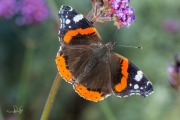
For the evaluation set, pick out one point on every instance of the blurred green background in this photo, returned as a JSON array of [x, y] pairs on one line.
[[27, 65]]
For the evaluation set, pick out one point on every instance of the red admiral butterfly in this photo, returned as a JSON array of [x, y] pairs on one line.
[[90, 66]]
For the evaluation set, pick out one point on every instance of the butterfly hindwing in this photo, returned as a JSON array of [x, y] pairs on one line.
[[128, 79], [95, 85]]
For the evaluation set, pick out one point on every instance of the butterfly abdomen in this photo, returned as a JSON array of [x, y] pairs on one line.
[[91, 64]]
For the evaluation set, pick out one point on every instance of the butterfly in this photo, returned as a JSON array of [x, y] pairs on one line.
[[93, 69]]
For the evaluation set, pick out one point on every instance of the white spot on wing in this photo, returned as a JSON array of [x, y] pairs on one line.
[[70, 8], [60, 48], [77, 18], [119, 96], [61, 8], [130, 84], [149, 83], [69, 26], [125, 96], [132, 93], [61, 23], [139, 76], [136, 86], [149, 93], [107, 95], [67, 21]]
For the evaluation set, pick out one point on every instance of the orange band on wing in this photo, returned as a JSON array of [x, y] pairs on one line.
[[71, 33], [123, 82], [61, 65], [86, 94]]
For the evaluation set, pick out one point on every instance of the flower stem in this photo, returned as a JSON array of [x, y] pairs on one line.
[[173, 114], [107, 111], [103, 19], [25, 73], [90, 15], [51, 97], [1, 115]]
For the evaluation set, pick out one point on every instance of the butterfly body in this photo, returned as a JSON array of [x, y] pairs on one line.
[[91, 66]]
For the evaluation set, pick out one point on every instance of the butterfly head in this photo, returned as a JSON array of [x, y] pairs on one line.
[[110, 45]]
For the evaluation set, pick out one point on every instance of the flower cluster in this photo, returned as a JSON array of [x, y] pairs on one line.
[[171, 26], [122, 13], [174, 71], [8, 8], [32, 11], [118, 10], [28, 11]]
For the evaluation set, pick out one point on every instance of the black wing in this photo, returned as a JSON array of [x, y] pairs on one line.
[[75, 29]]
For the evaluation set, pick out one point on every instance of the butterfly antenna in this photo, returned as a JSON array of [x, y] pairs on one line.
[[124, 45], [130, 46], [115, 35]]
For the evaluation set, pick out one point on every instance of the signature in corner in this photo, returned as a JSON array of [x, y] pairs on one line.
[[16, 110]]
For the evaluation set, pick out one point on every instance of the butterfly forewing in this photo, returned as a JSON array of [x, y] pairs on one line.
[[75, 29]]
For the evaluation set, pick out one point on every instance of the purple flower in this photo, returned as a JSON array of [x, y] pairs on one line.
[[174, 71], [117, 10], [171, 26], [123, 13], [8, 8], [32, 11], [11, 118]]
